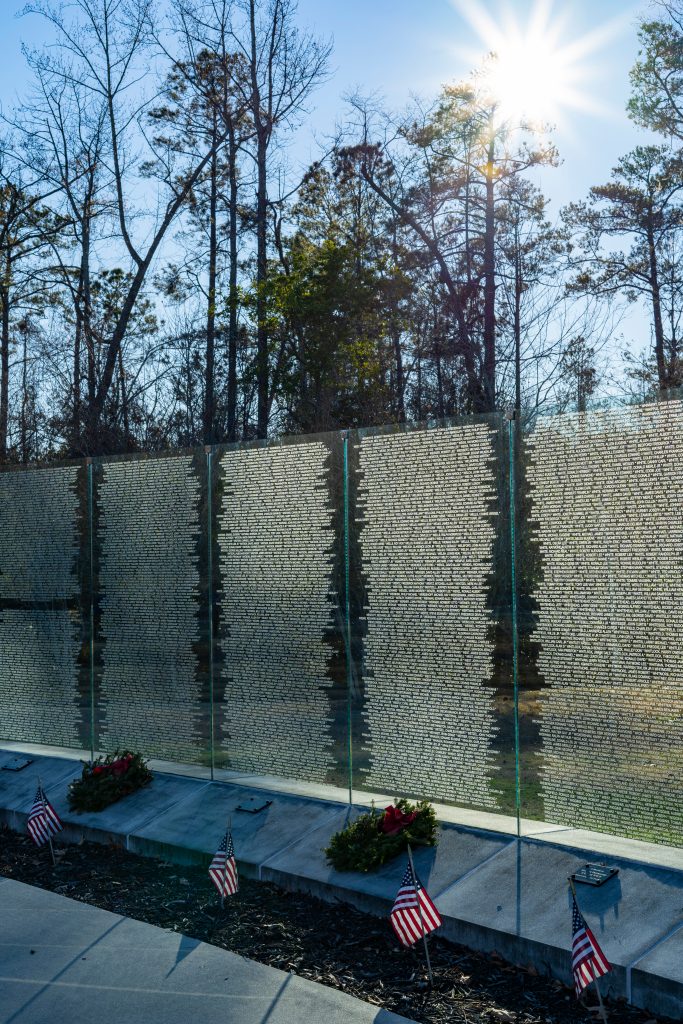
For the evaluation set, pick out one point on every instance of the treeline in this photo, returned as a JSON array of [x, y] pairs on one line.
[[167, 279]]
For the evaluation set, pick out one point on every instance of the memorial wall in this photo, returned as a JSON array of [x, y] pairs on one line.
[[426, 537], [607, 516], [148, 693], [41, 628], [337, 609], [276, 538]]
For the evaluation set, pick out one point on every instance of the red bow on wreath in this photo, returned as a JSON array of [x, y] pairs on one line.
[[394, 820]]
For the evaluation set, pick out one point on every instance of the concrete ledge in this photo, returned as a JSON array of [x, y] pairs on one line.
[[190, 831], [519, 904], [493, 891], [561, 835], [656, 977], [303, 866]]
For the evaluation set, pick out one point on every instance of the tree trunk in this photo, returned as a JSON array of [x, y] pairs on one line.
[[518, 328], [124, 400], [4, 363], [76, 404], [261, 275], [662, 369], [209, 403], [232, 323], [400, 378], [262, 130], [24, 401], [489, 368]]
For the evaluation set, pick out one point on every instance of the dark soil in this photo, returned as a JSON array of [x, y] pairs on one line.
[[333, 944]]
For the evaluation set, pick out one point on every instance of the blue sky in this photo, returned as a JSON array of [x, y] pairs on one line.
[[397, 47]]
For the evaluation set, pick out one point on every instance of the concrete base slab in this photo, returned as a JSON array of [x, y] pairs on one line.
[[303, 865], [190, 832], [519, 904], [108, 826], [657, 978], [18, 789], [65, 961], [564, 835], [135, 811], [609, 846]]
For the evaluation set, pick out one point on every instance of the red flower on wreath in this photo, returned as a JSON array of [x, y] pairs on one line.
[[394, 820], [121, 766]]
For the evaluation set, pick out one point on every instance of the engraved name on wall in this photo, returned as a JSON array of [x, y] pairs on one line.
[[607, 492], [275, 539], [427, 545], [40, 625], [149, 583]]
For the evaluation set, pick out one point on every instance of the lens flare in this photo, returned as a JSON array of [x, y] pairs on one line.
[[536, 71]]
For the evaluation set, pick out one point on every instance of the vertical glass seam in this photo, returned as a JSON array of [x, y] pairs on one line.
[[347, 616], [91, 588], [209, 535], [513, 588]]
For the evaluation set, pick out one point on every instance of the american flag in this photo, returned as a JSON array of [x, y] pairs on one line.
[[43, 821], [588, 960], [413, 913], [223, 870]]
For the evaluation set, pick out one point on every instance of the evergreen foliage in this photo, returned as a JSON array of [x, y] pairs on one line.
[[107, 779], [373, 838]]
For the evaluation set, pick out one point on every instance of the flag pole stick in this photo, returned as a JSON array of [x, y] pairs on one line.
[[47, 823], [603, 1011], [225, 865], [422, 924]]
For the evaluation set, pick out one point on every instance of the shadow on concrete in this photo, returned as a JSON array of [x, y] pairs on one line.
[[185, 947], [79, 956]]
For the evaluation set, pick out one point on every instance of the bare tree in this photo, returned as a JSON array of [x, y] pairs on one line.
[[212, 87], [107, 49], [284, 65]]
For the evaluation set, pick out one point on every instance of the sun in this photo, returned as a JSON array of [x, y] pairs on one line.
[[529, 79], [536, 71]]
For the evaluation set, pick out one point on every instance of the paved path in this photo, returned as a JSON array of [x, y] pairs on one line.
[[64, 962]]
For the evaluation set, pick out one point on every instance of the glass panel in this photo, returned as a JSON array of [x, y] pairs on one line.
[[601, 557], [431, 613], [280, 679], [151, 615], [44, 665]]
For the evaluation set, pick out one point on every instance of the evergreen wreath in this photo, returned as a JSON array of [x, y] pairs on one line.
[[377, 837], [106, 779]]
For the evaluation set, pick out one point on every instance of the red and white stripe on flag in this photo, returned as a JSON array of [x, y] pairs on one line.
[[43, 821], [588, 960], [223, 869], [413, 913]]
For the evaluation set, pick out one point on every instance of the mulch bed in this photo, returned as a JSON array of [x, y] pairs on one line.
[[332, 944]]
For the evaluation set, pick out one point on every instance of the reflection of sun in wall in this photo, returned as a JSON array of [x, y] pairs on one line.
[[536, 71]]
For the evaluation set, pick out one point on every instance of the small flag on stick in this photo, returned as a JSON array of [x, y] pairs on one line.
[[413, 915], [43, 821], [588, 961], [223, 869]]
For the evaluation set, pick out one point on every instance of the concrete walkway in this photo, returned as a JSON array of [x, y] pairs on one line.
[[494, 891], [68, 963]]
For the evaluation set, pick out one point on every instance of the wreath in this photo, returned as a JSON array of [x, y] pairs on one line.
[[107, 779], [377, 837]]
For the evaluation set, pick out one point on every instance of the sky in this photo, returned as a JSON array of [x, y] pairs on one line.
[[399, 47], [396, 48]]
